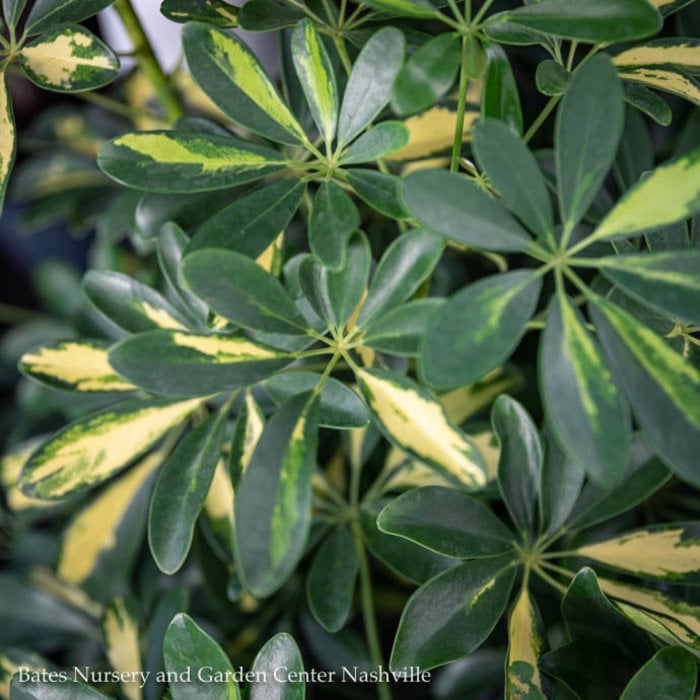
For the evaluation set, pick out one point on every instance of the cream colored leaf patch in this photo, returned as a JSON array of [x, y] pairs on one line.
[[678, 52], [664, 78], [121, 634], [10, 470], [90, 450], [223, 349], [74, 366], [417, 423], [8, 137], [219, 504]]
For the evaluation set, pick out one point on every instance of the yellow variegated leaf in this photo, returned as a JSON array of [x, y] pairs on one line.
[[270, 258], [90, 450], [664, 78], [7, 137], [121, 633], [669, 553], [409, 473], [677, 52], [69, 59], [464, 402], [48, 582], [249, 428], [415, 421], [74, 366], [10, 470], [219, 504], [525, 644]]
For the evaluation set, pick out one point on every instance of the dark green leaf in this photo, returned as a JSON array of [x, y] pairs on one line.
[[500, 98], [454, 206], [280, 652], [649, 102], [636, 152], [214, 12], [452, 614], [588, 130], [499, 28], [427, 75], [267, 15], [381, 191], [447, 522], [179, 493], [236, 287], [61, 690], [47, 14], [12, 10], [552, 78], [405, 8], [478, 328], [376, 142], [331, 580], [671, 673]]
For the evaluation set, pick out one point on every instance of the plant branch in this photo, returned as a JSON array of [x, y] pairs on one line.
[[542, 117], [461, 107]]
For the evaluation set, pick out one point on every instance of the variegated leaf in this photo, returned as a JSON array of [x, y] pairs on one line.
[[217, 12], [525, 645], [219, 505], [405, 8], [7, 137], [90, 450], [684, 52], [249, 427], [120, 627], [666, 78]]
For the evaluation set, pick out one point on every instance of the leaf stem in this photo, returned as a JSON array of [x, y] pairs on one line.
[[482, 11], [461, 107], [548, 579], [542, 117]]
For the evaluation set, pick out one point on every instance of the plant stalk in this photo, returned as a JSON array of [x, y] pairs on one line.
[[461, 107]]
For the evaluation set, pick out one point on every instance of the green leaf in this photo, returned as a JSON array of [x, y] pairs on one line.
[[500, 98], [447, 522], [662, 388], [381, 191], [174, 161], [452, 614], [427, 75], [514, 172], [234, 80], [478, 328], [416, 422], [334, 218], [369, 85], [252, 222], [588, 130], [586, 411], [186, 647], [280, 652], [90, 450], [129, 304], [61, 690], [8, 137], [69, 59], [401, 331], [267, 15], [664, 552], [675, 183], [179, 493], [273, 500], [331, 580], [668, 281], [552, 78], [405, 8], [239, 289], [648, 102], [376, 142], [455, 207], [520, 460], [595, 21], [12, 10], [339, 405], [173, 363], [315, 71], [525, 644], [48, 14], [213, 12], [671, 673], [502, 31]]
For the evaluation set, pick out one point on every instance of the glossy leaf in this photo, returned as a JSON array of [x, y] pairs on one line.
[[267, 15], [173, 363], [415, 421], [381, 191], [234, 80], [216, 12], [48, 14], [447, 522], [594, 21], [180, 492], [69, 59], [427, 74], [648, 102], [525, 645], [584, 407], [74, 366], [12, 11], [588, 130], [500, 99], [405, 8], [478, 328], [377, 142], [667, 78], [455, 207], [315, 71], [671, 673], [331, 580], [280, 652], [7, 137], [237, 288], [369, 86], [174, 161], [661, 386], [187, 646], [90, 450], [452, 614], [62, 690], [273, 500], [514, 172], [552, 79]]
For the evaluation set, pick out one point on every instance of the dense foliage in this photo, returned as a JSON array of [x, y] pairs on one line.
[[368, 372]]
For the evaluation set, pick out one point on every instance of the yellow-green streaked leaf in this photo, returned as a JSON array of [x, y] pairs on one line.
[[316, 76], [525, 644], [666, 78], [246, 434], [671, 192], [219, 505], [405, 8], [69, 59], [235, 81], [74, 366], [683, 52], [45, 580], [172, 161], [7, 137], [415, 421], [121, 632], [216, 12], [93, 531], [90, 450], [669, 553]]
